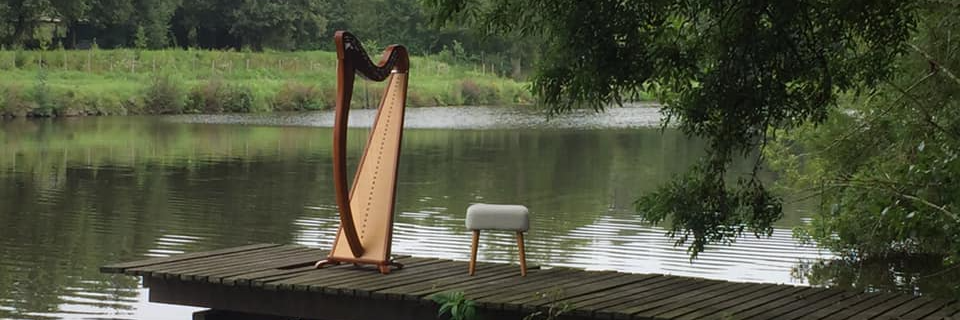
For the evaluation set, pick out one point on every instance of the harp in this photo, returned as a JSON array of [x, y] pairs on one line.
[[366, 210]]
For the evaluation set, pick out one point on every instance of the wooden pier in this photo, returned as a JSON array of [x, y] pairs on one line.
[[280, 281]]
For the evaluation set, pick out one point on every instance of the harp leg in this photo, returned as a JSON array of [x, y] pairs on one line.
[[386, 268], [523, 256], [473, 251]]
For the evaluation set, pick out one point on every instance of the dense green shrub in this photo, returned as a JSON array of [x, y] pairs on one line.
[[164, 96], [42, 96], [484, 93], [14, 102], [415, 99], [70, 104], [215, 97], [296, 96], [21, 59], [471, 92], [452, 96], [236, 98], [204, 98], [491, 94]]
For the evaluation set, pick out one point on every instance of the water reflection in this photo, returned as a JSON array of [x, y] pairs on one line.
[[926, 275], [78, 193]]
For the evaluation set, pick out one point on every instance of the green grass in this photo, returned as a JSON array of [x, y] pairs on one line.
[[110, 82]]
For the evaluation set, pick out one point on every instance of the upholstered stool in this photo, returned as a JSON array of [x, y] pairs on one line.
[[497, 217]]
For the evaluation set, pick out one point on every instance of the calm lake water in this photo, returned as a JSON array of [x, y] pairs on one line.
[[76, 194]]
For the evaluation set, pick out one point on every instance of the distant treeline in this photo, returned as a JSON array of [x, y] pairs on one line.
[[245, 25]]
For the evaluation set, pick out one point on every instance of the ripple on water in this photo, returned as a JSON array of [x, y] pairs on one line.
[[629, 116]]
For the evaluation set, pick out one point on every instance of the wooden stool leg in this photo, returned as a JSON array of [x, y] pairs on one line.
[[523, 256], [473, 251]]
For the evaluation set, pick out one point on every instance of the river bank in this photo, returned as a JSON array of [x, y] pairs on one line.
[[127, 82]]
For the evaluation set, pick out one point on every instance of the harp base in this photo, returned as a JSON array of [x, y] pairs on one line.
[[383, 266]]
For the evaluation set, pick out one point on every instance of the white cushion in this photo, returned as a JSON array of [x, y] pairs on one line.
[[483, 216]]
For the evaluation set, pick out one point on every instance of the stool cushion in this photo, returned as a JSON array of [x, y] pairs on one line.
[[483, 216]]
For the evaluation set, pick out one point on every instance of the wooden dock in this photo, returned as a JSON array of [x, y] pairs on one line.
[[280, 281]]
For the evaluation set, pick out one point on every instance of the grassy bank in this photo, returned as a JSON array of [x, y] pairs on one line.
[[119, 82]]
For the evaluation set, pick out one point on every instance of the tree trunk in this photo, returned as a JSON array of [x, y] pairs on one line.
[[18, 30], [72, 31]]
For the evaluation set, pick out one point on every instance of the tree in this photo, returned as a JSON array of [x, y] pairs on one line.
[[105, 13], [154, 17], [22, 19], [200, 22], [286, 24], [885, 166], [110, 18], [71, 12], [727, 71], [6, 28]]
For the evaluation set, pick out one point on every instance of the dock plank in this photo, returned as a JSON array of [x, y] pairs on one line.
[[621, 279], [692, 301], [318, 279], [438, 271], [927, 311], [760, 304], [949, 310], [241, 278], [864, 305], [587, 306], [871, 313], [615, 306], [510, 299], [218, 275], [251, 263], [148, 270], [626, 310], [789, 303], [905, 308], [717, 304], [417, 291], [121, 267], [342, 286], [364, 287]]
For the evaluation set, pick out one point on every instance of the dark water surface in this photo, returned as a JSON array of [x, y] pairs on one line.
[[79, 193]]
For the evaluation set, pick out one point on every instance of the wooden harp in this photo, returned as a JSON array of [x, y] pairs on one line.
[[366, 210]]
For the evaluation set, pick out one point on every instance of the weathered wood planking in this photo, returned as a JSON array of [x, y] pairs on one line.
[[279, 280]]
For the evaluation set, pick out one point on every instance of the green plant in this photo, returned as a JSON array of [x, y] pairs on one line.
[[216, 96], [203, 98], [140, 39], [164, 95], [13, 102], [456, 305], [471, 92], [296, 96], [69, 104], [42, 95], [236, 98], [20, 58]]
